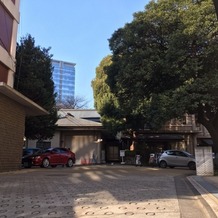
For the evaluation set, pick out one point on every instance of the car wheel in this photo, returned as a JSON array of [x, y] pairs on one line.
[[70, 163], [163, 164], [192, 166], [45, 163]]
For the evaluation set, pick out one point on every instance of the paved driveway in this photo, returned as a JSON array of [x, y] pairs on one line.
[[90, 191]]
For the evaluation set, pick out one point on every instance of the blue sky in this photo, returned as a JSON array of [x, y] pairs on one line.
[[77, 31]]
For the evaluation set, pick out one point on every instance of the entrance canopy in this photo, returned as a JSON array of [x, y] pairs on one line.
[[30, 107]]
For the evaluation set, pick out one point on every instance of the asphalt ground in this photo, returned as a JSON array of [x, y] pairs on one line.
[[103, 191]]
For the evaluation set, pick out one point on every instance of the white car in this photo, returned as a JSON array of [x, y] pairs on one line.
[[176, 158]]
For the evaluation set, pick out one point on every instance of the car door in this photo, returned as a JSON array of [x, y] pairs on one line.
[[182, 158], [171, 158], [64, 155], [54, 156]]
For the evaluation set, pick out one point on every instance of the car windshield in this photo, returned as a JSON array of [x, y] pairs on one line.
[[42, 151], [39, 152], [48, 150], [29, 151]]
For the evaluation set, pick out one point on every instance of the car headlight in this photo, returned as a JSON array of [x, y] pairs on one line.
[[36, 157]]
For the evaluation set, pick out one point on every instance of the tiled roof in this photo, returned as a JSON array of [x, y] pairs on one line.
[[89, 113], [78, 118]]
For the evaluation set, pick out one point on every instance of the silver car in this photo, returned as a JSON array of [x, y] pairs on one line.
[[176, 158]]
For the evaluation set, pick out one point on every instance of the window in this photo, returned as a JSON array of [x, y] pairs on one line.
[[181, 154], [63, 150], [3, 73], [6, 23], [56, 150], [171, 152]]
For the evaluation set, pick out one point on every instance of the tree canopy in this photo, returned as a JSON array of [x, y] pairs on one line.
[[164, 64], [105, 101], [33, 78]]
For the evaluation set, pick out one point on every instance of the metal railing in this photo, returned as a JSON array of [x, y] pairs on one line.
[[180, 128]]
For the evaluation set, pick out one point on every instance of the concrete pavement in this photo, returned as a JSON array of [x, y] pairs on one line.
[[95, 192]]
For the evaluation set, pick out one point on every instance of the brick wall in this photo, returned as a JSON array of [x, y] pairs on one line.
[[12, 125]]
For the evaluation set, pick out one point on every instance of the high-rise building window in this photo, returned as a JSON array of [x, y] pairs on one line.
[[6, 24], [64, 80]]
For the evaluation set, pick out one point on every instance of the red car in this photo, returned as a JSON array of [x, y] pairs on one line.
[[50, 157]]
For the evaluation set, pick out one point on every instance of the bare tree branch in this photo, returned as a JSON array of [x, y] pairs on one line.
[[77, 102]]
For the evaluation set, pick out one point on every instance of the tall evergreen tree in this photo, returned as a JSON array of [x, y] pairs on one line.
[[33, 78]]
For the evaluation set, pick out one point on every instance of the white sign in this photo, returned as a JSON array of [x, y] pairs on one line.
[[122, 153]]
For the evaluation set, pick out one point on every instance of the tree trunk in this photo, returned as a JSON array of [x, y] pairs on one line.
[[213, 130], [214, 137], [210, 121], [215, 2]]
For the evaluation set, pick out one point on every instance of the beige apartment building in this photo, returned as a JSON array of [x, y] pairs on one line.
[[14, 106]]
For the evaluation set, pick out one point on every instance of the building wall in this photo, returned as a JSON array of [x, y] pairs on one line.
[[188, 127], [54, 142], [9, 19], [12, 115], [12, 127], [84, 146]]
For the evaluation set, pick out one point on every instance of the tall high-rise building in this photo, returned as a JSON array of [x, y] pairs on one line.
[[64, 80]]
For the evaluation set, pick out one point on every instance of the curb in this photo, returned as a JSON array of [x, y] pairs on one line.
[[208, 197]]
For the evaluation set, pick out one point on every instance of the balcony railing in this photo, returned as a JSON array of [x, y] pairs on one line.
[[180, 128]]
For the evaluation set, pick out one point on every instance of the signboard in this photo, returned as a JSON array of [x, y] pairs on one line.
[[122, 153]]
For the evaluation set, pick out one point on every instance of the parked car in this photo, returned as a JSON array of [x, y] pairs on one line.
[[176, 158], [50, 157], [28, 151]]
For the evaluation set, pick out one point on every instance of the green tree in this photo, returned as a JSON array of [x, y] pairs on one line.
[[33, 78], [164, 64], [105, 102]]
